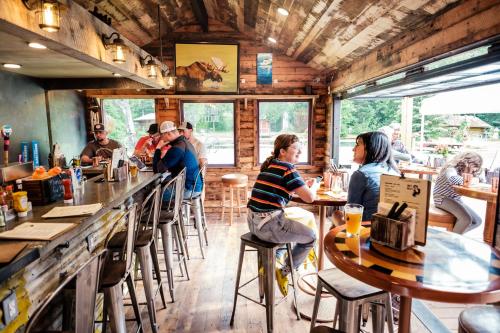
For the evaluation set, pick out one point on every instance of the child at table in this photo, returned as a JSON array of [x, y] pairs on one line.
[[447, 199], [277, 181]]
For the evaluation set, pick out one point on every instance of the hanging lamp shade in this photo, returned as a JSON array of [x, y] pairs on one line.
[[49, 15]]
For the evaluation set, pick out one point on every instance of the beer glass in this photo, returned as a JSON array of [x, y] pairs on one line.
[[353, 214]]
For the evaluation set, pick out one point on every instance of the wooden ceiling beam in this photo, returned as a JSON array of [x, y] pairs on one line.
[[92, 83], [79, 37], [465, 24], [200, 12]]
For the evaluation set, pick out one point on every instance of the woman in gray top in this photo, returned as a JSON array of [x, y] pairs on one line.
[[373, 152], [447, 199]]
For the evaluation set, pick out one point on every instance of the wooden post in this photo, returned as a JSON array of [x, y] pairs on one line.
[[406, 121]]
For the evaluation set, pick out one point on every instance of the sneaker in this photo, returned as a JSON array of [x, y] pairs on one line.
[[313, 258], [261, 270], [282, 282]]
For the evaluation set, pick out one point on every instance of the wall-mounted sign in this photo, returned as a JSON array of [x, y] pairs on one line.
[[264, 68]]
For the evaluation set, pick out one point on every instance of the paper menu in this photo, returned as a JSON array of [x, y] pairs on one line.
[[415, 192], [69, 211], [37, 231]]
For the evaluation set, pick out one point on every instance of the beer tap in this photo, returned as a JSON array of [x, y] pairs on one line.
[[6, 133]]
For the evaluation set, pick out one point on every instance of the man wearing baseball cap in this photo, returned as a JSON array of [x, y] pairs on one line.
[[101, 147], [147, 144], [186, 129], [181, 154]]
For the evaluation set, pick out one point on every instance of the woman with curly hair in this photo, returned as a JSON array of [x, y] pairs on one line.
[[447, 199]]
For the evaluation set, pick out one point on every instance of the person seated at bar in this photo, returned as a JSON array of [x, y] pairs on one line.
[[277, 181], [181, 154], [373, 152], [147, 144], [186, 129], [447, 199], [399, 152], [102, 147]]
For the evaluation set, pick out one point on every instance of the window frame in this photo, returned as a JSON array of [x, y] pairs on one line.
[[310, 126], [235, 147]]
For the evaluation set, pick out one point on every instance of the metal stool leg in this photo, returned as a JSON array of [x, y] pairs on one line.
[[294, 279], [389, 313], [317, 299], [135, 303], [204, 221], [166, 237], [114, 297], [260, 267], [378, 317], [269, 264], [147, 275], [156, 266], [183, 232], [181, 248], [199, 225], [223, 203], [231, 191], [237, 284]]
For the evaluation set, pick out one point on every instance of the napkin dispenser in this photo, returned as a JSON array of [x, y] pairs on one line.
[[397, 233]]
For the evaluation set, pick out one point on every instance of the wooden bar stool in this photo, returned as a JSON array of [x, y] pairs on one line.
[[234, 181], [441, 218], [266, 254]]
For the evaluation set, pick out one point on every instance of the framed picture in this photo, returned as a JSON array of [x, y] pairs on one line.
[[264, 68], [205, 68]]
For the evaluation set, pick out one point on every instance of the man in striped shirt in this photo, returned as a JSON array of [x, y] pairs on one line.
[[273, 189]]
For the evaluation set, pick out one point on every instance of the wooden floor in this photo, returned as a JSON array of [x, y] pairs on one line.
[[204, 303]]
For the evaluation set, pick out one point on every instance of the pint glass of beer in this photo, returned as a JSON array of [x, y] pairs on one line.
[[353, 216]]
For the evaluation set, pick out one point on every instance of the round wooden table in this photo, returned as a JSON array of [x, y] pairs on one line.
[[419, 170], [306, 299], [449, 268]]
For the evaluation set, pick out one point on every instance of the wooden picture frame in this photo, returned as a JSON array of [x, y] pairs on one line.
[[207, 68]]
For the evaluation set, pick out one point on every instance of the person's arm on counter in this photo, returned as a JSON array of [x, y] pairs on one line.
[[86, 155]]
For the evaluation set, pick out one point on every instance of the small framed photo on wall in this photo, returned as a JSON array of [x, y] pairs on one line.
[[264, 68]]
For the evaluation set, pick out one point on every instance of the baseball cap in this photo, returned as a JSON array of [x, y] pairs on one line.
[[185, 125], [153, 129], [99, 127], [167, 126]]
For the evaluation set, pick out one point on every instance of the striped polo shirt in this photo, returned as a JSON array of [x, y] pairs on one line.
[[274, 186], [443, 187]]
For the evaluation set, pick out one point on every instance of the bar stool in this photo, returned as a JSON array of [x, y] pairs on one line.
[[266, 255], [351, 295], [145, 249], [195, 203], [479, 319], [169, 218], [234, 181], [87, 280], [115, 272], [441, 218]]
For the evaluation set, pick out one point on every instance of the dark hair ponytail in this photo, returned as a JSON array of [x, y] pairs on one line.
[[282, 141]]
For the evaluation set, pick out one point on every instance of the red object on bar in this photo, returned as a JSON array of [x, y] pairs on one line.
[[68, 193]]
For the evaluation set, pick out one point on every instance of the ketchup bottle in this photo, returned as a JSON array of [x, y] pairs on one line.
[[68, 193]]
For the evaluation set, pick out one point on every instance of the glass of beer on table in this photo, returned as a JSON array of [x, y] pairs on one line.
[[353, 214]]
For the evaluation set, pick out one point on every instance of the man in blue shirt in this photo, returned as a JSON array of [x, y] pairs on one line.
[[181, 154]]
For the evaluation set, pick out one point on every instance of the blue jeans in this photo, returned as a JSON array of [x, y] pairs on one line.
[[168, 195], [467, 218], [279, 229]]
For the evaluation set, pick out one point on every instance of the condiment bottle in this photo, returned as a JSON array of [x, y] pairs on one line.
[[8, 196], [2, 197], [68, 193], [21, 203]]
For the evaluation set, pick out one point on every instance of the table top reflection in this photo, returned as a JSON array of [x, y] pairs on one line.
[[449, 268]]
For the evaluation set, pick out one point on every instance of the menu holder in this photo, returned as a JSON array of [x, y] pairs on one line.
[[37, 231], [415, 193], [72, 211]]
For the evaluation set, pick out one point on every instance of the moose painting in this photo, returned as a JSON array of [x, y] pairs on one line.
[[206, 68]]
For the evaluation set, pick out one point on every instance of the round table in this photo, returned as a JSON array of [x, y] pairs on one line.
[[449, 268], [306, 299]]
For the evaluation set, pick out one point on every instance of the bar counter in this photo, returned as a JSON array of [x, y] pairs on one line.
[[37, 270]]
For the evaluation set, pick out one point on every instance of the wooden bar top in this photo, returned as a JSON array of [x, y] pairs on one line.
[[110, 194]]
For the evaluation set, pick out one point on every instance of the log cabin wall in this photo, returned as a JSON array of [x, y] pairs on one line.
[[293, 77]]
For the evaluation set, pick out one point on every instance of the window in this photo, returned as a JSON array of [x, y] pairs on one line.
[[126, 120], [214, 126], [278, 117]]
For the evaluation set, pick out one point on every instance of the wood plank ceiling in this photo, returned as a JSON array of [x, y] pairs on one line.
[[324, 34]]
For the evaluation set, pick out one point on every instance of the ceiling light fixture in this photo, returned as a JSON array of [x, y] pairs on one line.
[[12, 66], [272, 40], [151, 66], [117, 46], [117, 74], [283, 11], [37, 46]]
